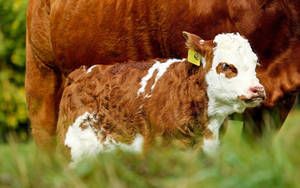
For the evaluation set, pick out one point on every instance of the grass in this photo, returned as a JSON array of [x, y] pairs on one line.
[[238, 165]]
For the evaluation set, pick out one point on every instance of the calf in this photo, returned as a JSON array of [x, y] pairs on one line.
[[132, 104]]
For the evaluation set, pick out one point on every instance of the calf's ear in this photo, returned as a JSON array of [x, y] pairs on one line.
[[191, 40], [196, 43]]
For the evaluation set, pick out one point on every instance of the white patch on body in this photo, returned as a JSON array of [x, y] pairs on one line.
[[223, 92], [87, 142], [161, 68], [91, 68], [109, 144], [201, 41], [82, 142]]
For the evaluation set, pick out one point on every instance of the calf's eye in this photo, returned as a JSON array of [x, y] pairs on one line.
[[225, 66], [229, 70]]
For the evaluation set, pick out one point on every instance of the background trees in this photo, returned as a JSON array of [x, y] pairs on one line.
[[13, 112]]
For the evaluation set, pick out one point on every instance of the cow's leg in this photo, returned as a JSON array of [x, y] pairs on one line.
[[263, 122], [42, 86], [42, 81]]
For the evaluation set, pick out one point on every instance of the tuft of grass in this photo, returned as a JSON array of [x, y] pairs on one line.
[[237, 165]]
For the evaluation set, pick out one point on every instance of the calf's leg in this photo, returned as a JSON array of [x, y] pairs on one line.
[[211, 135]]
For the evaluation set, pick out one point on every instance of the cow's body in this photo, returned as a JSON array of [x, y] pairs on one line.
[[132, 104], [63, 35]]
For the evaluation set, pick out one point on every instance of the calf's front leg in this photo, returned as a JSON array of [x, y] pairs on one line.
[[211, 136]]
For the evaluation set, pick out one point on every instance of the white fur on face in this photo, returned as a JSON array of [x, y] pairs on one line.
[[161, 68], [223, 92], [87, 142]]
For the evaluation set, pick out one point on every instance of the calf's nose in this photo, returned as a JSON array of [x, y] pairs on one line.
[[257, 91]]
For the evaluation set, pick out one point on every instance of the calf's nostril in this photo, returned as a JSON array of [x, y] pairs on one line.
[[254, 90], [257, 91]]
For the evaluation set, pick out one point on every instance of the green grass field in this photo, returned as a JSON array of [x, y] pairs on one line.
[[238, 165]]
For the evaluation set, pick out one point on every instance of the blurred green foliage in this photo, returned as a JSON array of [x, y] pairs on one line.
[[13, 113], [237, 165]]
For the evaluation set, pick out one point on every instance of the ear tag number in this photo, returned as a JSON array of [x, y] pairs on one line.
[[194, 57]]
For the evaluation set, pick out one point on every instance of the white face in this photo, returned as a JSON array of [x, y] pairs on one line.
[[232, 79]]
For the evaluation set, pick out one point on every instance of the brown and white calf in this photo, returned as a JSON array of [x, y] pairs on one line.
[[130, 105]]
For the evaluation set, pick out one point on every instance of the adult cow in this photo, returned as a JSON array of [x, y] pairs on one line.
[[62, 35]]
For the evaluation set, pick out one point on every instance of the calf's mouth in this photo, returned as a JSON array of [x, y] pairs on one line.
[[255, 100]]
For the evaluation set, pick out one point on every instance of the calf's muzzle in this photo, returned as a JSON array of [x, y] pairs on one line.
[[257, 92]]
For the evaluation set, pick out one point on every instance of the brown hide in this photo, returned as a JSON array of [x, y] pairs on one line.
[[64, 34], [93, 32], [177, 109], [102, 32]]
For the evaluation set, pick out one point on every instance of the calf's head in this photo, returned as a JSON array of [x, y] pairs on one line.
[[230, 71]]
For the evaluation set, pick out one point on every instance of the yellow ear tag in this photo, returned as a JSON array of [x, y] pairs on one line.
[[194, 57]]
